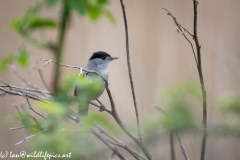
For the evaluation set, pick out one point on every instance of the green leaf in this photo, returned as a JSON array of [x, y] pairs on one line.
[[52, 3], [230, 103], [17, 25], [23, 58], [38, 22], [110, 16], [78, 6], [94, 13], [5, 62], [54, 108], [178, 117], [102, 1]]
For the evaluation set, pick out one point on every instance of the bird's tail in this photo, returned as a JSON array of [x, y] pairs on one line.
[[83, 107]]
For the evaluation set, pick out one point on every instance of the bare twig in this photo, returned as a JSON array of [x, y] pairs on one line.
[[26, 138], [106, 142], [25, 89], [126, 148], [17, 128], [23, 94], [182, 146], [48, 61], [120, 144], [42, 78], [129, 68], [182, 30], [32, 109]]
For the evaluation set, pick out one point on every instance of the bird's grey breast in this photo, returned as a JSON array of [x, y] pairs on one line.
[[93, 93]]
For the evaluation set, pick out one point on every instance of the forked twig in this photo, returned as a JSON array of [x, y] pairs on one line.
[[182, 30]]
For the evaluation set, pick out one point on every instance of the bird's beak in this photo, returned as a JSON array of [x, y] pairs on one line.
[[113, 58]]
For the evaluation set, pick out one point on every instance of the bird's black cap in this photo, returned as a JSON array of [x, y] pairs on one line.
[[99, 54]]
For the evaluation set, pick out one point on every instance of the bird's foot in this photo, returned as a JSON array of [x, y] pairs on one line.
[[102, 108]]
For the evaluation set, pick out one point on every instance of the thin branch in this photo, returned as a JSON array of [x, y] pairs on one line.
[[15, 106], [182, 146], [129, 68], [204, 93], [25, 89], [180, 27], [105, 109], [23, 94], [42, 78], [48, 61], [171, 138], [26, 138], [126, 148], [32, 109], [120, 144], [17, 128], [182, 30], [106, 142]]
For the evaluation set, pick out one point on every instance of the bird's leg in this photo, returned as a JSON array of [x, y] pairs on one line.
[[102, 107]]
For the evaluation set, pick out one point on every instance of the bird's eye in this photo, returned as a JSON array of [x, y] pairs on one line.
[[103, 58]]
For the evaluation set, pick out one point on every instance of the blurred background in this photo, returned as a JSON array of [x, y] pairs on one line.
[[160, 57]]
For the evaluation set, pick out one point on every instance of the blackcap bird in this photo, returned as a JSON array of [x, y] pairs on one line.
[[92, 86]]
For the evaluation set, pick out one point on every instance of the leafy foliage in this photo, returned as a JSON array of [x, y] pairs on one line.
[[21, 56], [178, 116], [52, 3], [230, 104], [93, 8]]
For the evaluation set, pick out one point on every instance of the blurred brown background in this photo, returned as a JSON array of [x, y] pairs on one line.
[[159, 56]]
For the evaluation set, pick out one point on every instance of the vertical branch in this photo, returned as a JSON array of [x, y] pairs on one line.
[[204, 94], [59, 49], [172, 145], [129, 67]]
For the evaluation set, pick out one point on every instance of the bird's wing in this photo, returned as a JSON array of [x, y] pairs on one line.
[[77, 89]]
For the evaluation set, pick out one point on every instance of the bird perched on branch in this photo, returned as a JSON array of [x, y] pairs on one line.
[[92, 85]]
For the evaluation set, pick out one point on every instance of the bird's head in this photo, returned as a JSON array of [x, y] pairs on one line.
[[101, 59]]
